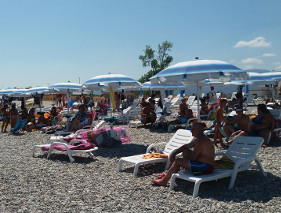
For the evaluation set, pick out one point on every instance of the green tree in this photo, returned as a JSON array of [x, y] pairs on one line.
[[156, 63]]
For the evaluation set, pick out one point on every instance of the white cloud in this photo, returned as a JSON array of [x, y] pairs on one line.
[[257, 42], [247, 67], [252, 61], [268, 55]]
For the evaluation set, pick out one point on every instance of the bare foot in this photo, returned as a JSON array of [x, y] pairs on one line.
[[158, 182]]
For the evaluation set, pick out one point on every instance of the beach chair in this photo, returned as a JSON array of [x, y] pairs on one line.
[[180, 138], [242, 152], [70, 148], [191, 100]]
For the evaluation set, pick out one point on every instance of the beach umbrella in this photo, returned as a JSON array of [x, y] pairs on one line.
[[275, 76], [36, 90], [66, 88], [254, 79], [196, 72], [109, 82]]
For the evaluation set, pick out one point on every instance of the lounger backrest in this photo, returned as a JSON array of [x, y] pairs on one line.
[[190, 100], [244, 147], [276, 113], [181, 137]]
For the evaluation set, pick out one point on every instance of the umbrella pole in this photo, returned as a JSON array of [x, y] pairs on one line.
[[198, 102]]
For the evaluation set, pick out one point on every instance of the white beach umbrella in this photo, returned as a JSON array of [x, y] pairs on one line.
[[66, 88], [36, 90], [116, 81], [196, 72]]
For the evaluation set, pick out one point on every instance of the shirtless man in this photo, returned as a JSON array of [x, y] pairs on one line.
[[243, 127], [200, 159], [219, 119]]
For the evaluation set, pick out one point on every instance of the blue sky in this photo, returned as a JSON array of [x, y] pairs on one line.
[[43, 42]]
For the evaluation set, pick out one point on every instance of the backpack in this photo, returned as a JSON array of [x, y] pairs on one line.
[[109, 138]]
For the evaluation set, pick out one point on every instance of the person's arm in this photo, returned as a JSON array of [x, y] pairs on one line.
[[197, 150], [182, 148]]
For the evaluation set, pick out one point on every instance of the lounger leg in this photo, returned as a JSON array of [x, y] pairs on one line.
[[136, 170], [172, 181], [33, 152], [91, 154], [50, 151], [70, 155], [120, 165], [260, 166], [196, 188], [232, 181]]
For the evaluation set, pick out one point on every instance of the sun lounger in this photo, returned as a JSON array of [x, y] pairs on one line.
[[242, 152], [70, 148], [179, 138]]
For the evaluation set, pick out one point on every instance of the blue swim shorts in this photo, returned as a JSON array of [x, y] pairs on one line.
[[198, 166], [182, 120]]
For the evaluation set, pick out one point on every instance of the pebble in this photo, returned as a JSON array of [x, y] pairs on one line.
[[38, 184]]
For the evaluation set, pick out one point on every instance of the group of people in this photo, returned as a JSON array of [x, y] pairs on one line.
[[11, 115], [200, 153], [242, 125], [147, 113]]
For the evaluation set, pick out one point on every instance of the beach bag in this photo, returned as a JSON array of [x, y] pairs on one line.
[[108, 139]]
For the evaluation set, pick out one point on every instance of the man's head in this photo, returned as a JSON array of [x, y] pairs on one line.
[[197, 129]]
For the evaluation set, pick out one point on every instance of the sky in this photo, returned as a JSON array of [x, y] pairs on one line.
[[43, 42]]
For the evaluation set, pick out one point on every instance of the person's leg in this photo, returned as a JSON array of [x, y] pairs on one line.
[[216, 136], [264, 133], [178, 163], [228, 129], [235, 134]]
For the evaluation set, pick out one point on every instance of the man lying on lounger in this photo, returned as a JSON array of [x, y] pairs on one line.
[[200, 159]]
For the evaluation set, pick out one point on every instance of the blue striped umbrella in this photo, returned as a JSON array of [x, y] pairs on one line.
[[36, 90], [276, 76], [196, 72], [254, 79], [13, 92], [117, 81], [66, 88]]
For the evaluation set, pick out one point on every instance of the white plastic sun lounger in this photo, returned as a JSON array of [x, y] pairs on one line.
[[242, 151], [68, 151], [180, 138]]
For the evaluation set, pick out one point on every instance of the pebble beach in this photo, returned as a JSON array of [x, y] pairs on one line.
[[38, 184]]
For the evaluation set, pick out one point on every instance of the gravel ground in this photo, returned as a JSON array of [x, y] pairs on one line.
[[29, 184]]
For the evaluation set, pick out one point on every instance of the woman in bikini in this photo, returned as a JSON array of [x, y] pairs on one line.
[[14, 115], [6, 118], [31, 121], [263, 124]]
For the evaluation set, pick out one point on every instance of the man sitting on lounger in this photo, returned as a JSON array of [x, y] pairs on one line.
[[200, 159]]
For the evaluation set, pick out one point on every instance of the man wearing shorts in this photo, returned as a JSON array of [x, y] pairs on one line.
[[200, 159]]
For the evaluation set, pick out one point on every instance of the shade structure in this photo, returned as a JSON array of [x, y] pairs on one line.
[[275, 76], [7, 92], [36, 90], [149, 86], [66, 88], [196, 72], [115, 81], [254, 79]]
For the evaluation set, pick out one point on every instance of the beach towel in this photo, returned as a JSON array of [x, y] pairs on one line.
[[155, 155], [80, 146], [224, 163], [90, 135]]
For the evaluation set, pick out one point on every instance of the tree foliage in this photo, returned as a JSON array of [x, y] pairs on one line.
[[156, 62]]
